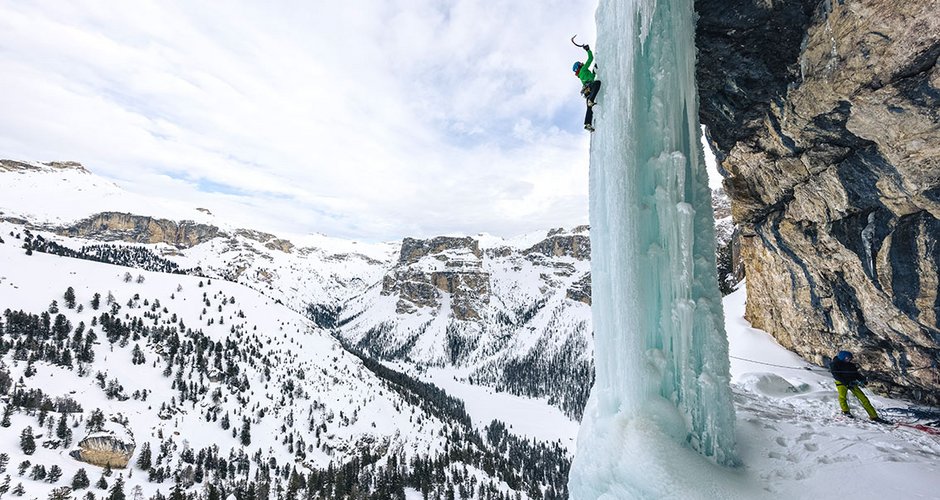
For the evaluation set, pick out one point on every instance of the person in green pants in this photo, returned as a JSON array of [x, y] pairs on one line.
[[848, 378]]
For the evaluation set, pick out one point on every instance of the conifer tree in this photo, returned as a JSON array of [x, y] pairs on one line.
[[137, 355], [246, 432], [60, 493], [27, 442], [144, 459], [69, 298], [62, 430], [55, 472], [38, 473], [80, 480], [117, 490]]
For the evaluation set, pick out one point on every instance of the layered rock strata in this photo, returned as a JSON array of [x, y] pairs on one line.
[[428, 268], [826, 119], [117, 226]]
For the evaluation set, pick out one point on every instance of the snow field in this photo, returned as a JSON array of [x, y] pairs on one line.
[[332, 376]]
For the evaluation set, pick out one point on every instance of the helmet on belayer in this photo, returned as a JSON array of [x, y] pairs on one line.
[[844, 356]]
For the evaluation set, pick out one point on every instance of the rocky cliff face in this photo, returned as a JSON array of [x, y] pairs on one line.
[[428, 268], [116, 226], [825, 117], [110, 447]]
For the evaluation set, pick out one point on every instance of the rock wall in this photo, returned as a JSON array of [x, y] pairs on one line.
[[105, 450], [826, 118], [117, 226], [428, 268]]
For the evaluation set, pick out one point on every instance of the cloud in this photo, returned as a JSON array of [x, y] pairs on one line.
[[373, 119]]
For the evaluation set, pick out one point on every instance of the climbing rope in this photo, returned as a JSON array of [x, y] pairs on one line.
[[781, 366], [821, 370]]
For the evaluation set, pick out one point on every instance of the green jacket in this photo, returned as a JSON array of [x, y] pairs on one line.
[[585, 74]]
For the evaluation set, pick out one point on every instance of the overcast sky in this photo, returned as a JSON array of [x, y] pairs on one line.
[[369, 119]]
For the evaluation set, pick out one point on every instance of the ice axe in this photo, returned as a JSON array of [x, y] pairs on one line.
[[576, 44]]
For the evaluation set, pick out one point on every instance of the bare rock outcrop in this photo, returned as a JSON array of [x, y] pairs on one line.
[[112, 446], [117, 226], [826, 118], [581, 290], [270, 241], [14, 166], [427, 269], [560, 244]]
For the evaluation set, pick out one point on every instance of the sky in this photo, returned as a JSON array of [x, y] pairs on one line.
[[371, 119]]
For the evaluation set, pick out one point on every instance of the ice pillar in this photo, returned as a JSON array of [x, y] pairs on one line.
[[661, 352]]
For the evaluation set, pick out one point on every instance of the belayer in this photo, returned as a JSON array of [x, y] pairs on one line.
[[589, 85], [848, 378]]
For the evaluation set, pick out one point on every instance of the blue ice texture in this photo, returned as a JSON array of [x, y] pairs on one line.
[[660, 420]]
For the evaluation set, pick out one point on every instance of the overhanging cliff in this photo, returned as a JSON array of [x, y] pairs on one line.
[[826, 118]]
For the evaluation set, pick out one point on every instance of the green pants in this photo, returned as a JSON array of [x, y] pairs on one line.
[[843, 392]]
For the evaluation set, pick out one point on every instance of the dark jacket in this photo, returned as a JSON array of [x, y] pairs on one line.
[[846, 372]]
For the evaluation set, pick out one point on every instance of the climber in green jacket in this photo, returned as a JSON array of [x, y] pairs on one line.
[[590, 86]]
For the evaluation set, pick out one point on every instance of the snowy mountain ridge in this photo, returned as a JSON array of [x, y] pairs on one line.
[[517, 310]]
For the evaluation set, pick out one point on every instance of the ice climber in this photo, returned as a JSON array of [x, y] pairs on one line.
[[848, 379], [590, 85]]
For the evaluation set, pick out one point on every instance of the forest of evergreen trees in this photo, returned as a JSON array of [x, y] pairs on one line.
[[473, 464], [128, 256]]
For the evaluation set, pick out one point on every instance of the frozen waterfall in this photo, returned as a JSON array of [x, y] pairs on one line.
[[661, 398]]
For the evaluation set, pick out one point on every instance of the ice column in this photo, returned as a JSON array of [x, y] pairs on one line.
[[662, 370]]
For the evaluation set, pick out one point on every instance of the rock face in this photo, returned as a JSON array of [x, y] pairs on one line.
[[426, 268], [116, 226], [270, 241], [826, 119], [13, 166], [106, 449], [557, 244]]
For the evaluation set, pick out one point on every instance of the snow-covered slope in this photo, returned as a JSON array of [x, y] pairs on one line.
[[509, 314], [63, 192], [512, 316], [287, 371], [793, 441], [77, 208], [175, 356]]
